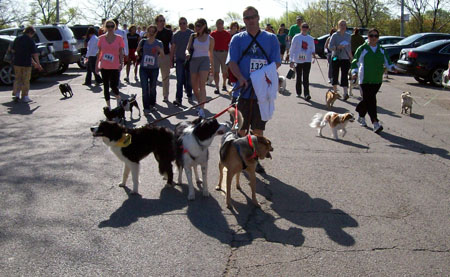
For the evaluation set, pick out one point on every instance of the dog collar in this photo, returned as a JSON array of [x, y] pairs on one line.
[[124, 141], [250, 142]]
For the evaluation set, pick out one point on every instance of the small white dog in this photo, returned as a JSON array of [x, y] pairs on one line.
[[335, 120], [407, 102], [281, 84]]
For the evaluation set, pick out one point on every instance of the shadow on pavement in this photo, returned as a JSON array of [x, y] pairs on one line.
[[323, 106], [411, 145], [346, 142], [19, 108], [136, 207], [299, 208]]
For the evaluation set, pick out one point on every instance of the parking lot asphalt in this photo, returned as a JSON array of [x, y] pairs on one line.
[[364, 205]]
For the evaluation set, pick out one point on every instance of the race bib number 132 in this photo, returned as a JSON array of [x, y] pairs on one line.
[[256, 64]]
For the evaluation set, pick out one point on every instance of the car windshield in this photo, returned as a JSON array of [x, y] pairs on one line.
[[409, 40], [431, 45]]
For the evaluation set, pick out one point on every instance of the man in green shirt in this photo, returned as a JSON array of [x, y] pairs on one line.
[[295, 29]]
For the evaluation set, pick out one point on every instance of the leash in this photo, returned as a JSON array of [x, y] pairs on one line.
[[190, 108], [321, 72]]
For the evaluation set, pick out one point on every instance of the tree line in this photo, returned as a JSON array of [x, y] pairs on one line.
[[424, 15]]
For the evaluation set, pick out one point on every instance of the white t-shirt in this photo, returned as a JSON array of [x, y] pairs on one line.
[[302, 48], [92, 47], [123, 34]]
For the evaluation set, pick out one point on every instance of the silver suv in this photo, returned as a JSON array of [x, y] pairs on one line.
[[60, 36]]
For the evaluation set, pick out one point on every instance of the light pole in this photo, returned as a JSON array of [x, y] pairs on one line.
[[57, 11], [327, 15], [132, 11], [402, 19]]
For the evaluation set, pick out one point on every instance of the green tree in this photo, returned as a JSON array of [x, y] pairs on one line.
[[44, 12]]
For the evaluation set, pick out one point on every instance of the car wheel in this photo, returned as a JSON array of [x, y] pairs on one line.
[[7, 75], [421, 80], [81, 62], [436, 76], [62, 68]]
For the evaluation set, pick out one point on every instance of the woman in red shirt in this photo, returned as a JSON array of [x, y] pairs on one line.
[[110, 60]]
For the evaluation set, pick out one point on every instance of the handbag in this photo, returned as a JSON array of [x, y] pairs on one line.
[[290, 74], [187, 62]]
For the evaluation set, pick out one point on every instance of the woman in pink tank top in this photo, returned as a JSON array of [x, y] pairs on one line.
[[110, 61]]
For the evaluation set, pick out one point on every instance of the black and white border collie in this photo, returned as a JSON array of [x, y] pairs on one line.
[[133, 145], [192, 141]]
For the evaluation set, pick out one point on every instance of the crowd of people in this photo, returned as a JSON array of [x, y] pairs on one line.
[[231, 53]]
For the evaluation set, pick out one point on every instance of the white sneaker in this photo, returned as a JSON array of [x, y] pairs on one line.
[[26, 99], [377, 128], [362, 121]]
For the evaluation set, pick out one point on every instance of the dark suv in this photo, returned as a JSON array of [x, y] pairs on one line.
[[46, 59], [413, 41], [79, 32]]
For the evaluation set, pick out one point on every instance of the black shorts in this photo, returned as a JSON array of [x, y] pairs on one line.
[[282, 49], [255, 122]]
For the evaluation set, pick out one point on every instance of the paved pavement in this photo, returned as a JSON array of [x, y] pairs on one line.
[[366, 205]]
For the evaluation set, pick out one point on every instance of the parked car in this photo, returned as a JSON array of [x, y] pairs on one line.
[[79, 32], [320, 41], [426, 63], [60, 36], [46, 58], [413, 41]]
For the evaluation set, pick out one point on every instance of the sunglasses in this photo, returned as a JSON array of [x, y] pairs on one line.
[[249, 17], [110, 26], [198, 25], [305, 27], [374, 36]]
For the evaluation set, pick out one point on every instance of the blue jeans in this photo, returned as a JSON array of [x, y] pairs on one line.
[[148, 83], [183, 79]]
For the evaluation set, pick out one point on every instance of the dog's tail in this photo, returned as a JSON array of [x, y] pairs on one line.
[[237, 126], [316, 120]]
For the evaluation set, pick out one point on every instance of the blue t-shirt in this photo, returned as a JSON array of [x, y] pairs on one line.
[[150, 54], [24, 48], [254, 59]]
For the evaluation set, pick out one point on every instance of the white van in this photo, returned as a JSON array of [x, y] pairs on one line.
[[60, 36]]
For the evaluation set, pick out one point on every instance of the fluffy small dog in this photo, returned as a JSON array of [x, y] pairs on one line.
[[133, 145], [331, 97], [129, 103], [65, 90], [336, 121], [193, 140], [407, 102], [117, 114], [242, 153], [281, 84]]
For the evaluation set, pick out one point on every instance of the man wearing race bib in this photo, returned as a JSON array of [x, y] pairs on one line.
[[301, 53], [110, 60], [242, 63], [149, 70]]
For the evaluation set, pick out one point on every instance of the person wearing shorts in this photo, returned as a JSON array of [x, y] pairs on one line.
[[222, 39], [110, 59], [201, 62], [242, 65], [25, 54]]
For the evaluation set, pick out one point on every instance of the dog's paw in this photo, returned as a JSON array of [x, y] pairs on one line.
[[218, 188], [122, 185], [191, 197]]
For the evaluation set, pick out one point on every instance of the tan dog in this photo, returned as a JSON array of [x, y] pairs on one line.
[[237, 154], [407, 102], [336, 121], [331, 97]]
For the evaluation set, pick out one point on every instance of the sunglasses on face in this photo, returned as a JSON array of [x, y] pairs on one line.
[[109, 26], [198, 25], [305, 27], [373, 35], [249, 17]]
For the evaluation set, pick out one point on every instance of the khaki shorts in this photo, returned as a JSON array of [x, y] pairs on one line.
[[220, 58], [22, 79]]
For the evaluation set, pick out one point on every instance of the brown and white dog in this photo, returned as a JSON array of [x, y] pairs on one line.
[[242, 153], [331, 97], [407, 102], [336, 121]]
